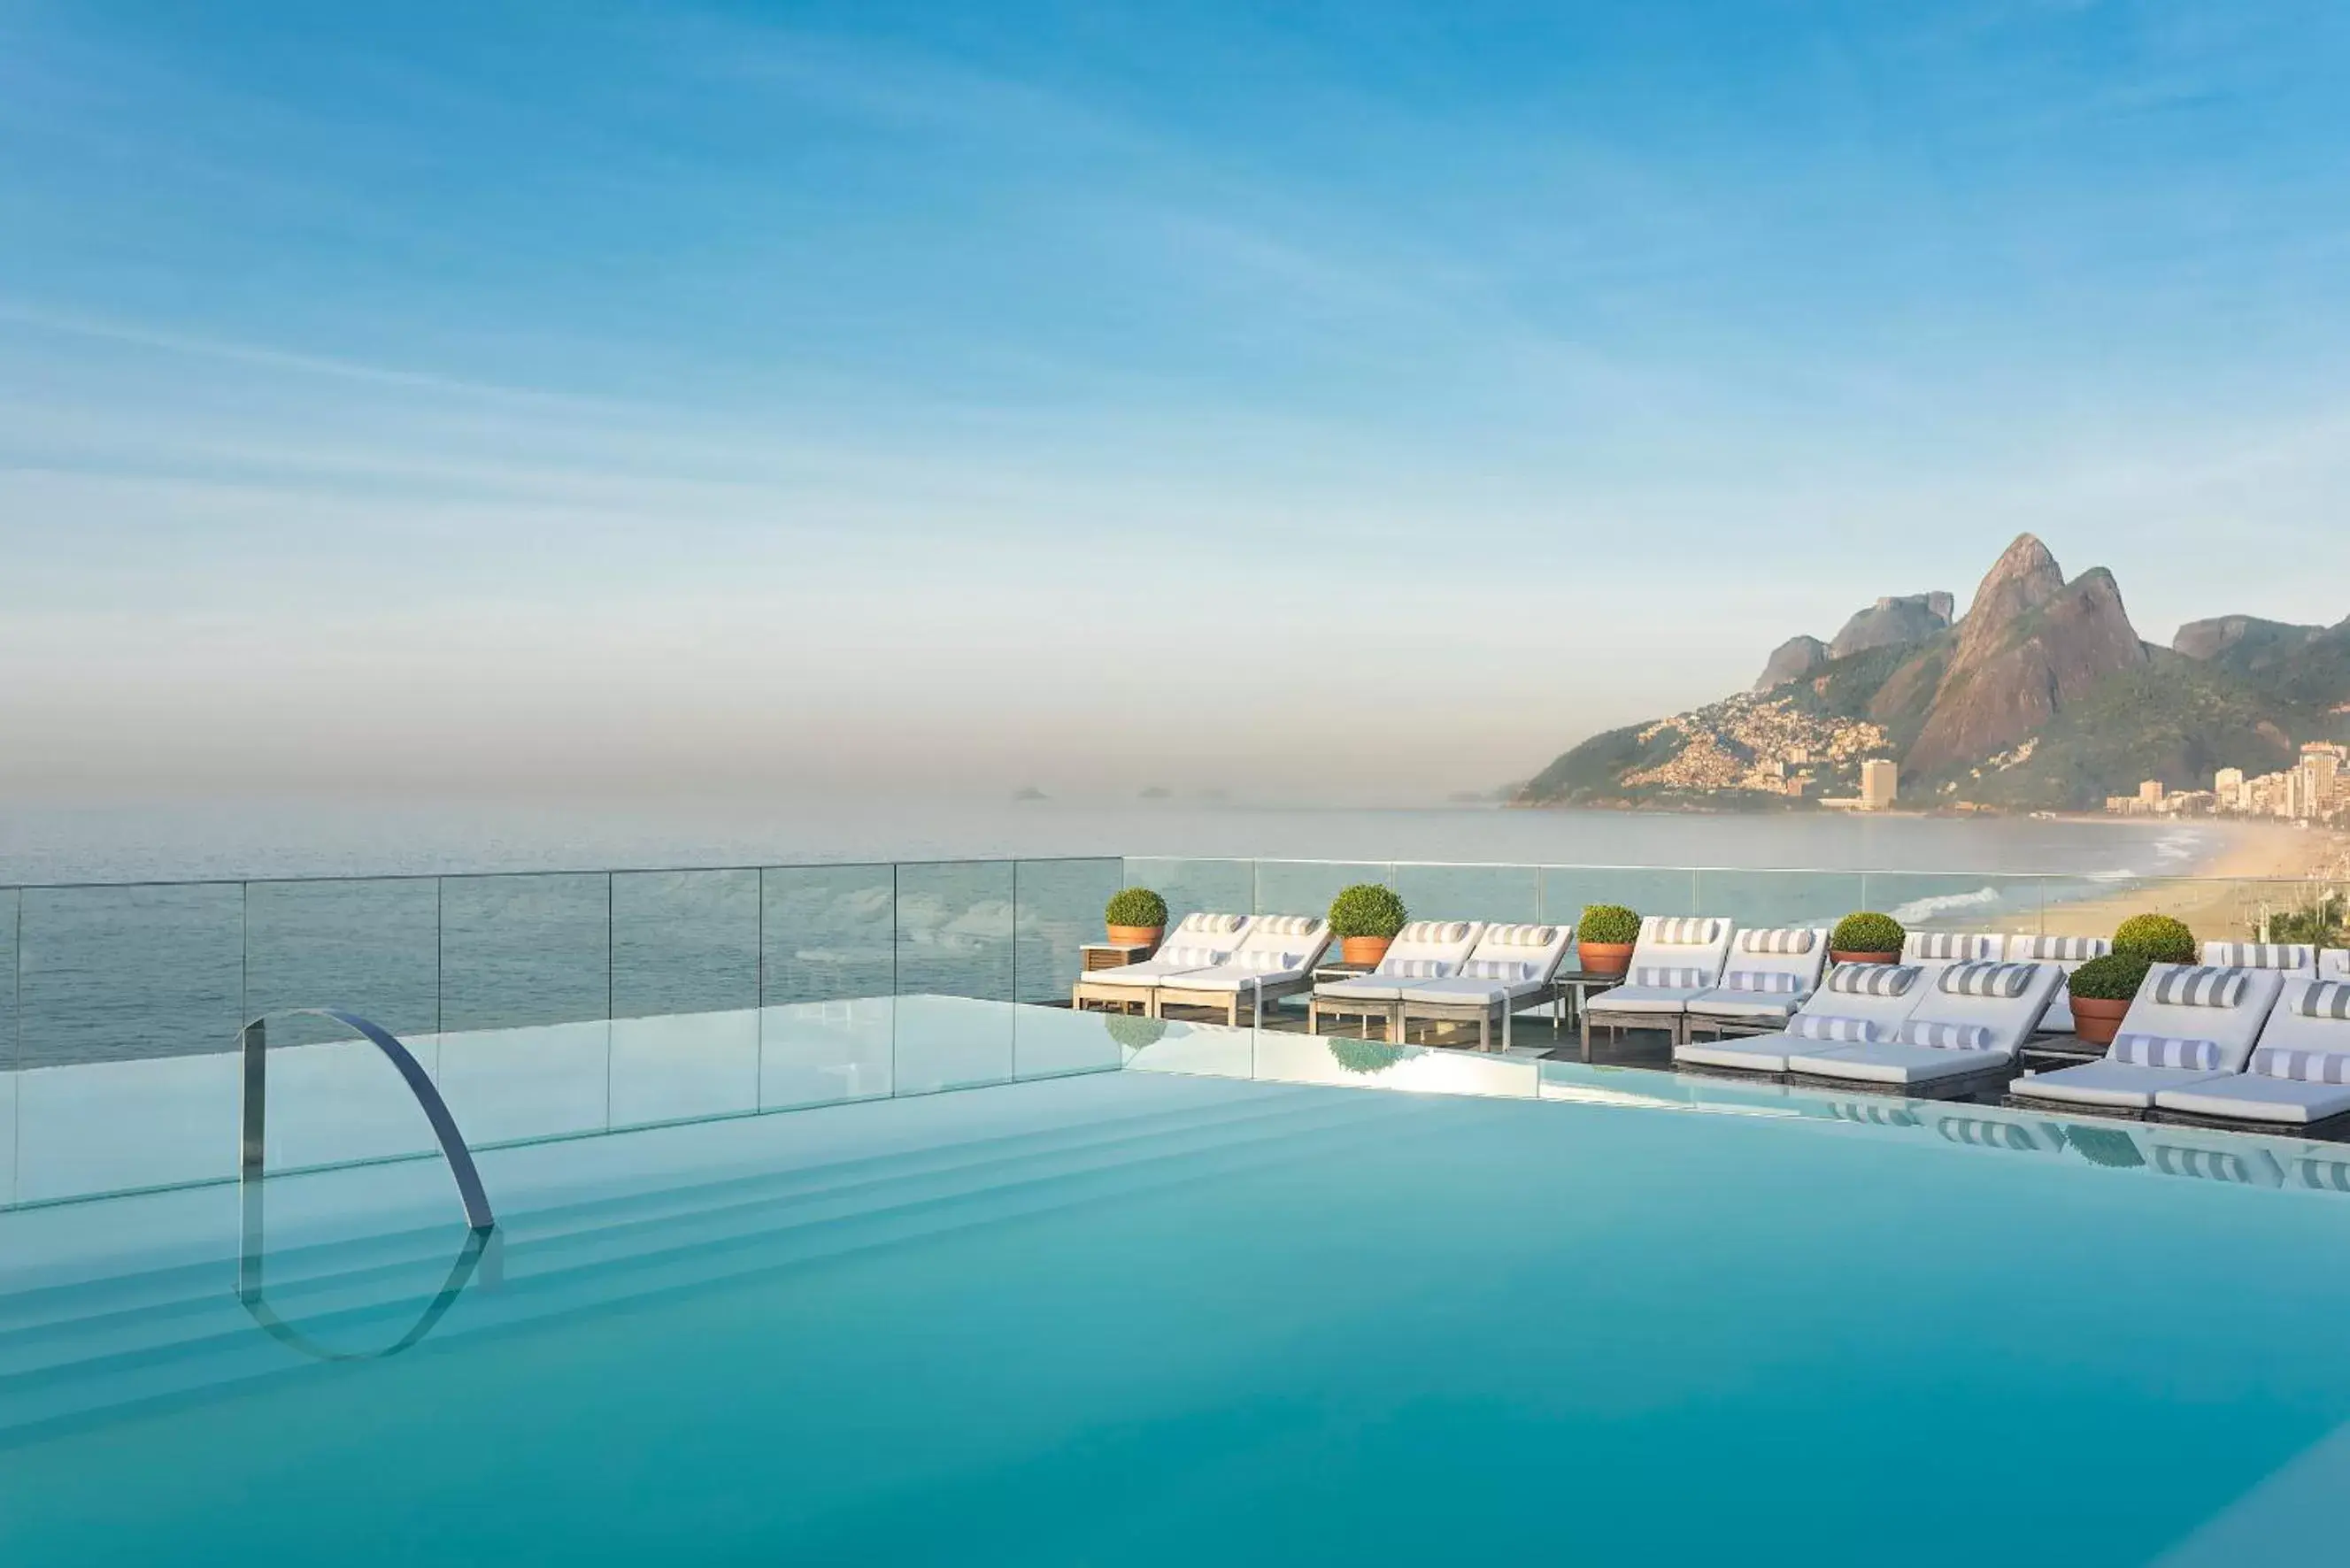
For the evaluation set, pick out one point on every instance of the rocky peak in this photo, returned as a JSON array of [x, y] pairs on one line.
[[2209, 639], [1791, 660], [2031, 643], [1891, 622]]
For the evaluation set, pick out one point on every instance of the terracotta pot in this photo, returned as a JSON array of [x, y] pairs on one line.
[[1138, 936], [1863, 958], [1604, 958], [1364, 949], [2097, 1022]]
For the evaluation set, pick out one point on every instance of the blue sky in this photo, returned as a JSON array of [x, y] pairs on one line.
[[793, 395]]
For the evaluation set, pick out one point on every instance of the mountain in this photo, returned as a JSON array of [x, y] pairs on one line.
[[1893, 622], [1791, 660], [2031, 643], [2042, 697]]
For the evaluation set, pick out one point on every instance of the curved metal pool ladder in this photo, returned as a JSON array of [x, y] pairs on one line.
[[481, 1224]]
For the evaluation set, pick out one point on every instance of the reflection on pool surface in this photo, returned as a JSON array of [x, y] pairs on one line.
[[1191, 1295]]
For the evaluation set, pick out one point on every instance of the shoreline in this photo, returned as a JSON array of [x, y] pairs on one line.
[[2261, 867]]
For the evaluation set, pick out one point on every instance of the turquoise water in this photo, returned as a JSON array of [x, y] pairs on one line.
[[1196, 1307]]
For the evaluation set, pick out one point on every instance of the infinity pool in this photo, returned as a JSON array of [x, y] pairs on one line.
[[1221, 1301]]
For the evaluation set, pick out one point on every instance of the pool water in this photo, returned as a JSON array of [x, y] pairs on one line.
[[1227, 1303]]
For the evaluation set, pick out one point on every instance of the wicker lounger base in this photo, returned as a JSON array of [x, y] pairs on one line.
[[1993, 1080], [1694, 1023], [1117, 997], [1484, 1015], [1389, 1013], [1595, 1016], [2326, 1129], [1233, 1004], [2072, 1110]]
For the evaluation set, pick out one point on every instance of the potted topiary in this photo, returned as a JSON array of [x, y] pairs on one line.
[[1136, 1034], [2157, 939], [1135, 916], [1867, 937], [2102, 990], [1604, 937], [1365, 918], [1365, 1056]]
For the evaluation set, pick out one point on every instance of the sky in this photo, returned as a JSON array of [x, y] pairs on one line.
[[1349, 402]]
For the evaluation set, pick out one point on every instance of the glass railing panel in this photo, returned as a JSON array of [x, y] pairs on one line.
[[2312, 914], [2215, 909], [829, 932], [525, 951], [1060, 908], [370, 947], [1965, 901], [1753, 900], [528, 1081], [9, 900], [1054, 1042], [685, 995], [115, 973], [955, 928], [1567, 890], [1222, 886], [950, 1042], [1307, 887], [827, 1052], [1508, 894]]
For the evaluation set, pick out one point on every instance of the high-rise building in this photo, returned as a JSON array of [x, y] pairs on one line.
[[2321, 770], [2151, 792], [2229, 785], [1880, 780]]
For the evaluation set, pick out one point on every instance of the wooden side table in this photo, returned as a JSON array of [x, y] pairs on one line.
[[1113, 955]]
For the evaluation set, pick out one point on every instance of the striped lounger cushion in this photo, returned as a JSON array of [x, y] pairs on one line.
[[1999, 979], [2324, 1175], [1790, 940], [1985, 1135], [1937, 1036], [2327, 999], [1520, 936], [1765, 981], [1668, 979], [1951, 945], [1687, 931], [2161, 1051], [1191, 958], [2258, 955], [2302, 1066], [1289, 925], [2065, 950], [1874, 979], [2208, 1164], [1497, 969], [1203, 924], [2206, 987], [1825, 1026], [1267, 963], [1433, 932], [1416, 968]]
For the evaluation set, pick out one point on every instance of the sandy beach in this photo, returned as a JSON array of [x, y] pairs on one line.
[[2265, 868]]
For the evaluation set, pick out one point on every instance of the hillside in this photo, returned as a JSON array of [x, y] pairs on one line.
[[2042, 697]]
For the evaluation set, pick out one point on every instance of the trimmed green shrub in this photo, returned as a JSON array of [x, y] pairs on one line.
[[1867, 932], [2115, 976], [1134, 906], [1134, 1032], [2157, 939], [2104, 1145], [1365, 1056], [1607, 924], [1366, 910]]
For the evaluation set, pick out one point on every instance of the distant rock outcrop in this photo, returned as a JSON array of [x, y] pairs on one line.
[[2208, 639], [1891, 622], [1791, 660], [2032, 642]]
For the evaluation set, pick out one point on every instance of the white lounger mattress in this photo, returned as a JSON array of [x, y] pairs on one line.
[[1657, 999], [2116, 1084], [1755, 1054], [2254, 1097], [1457, 988], [1893, 1063]]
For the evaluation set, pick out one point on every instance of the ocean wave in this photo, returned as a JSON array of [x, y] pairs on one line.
[[2124, 875], [1917, 911], [2178, 845]]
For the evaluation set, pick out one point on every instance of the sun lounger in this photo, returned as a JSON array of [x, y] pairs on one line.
[[1200, 940], [2285, 957], [1967, 1026], [1929, 950], [1422, 951], [2068, 953], [1768, 975], [1276, 959], [2235, 1160], [1859, 1003], [1513, 968], [2299, 1072], [2187, 1026], [1675, 959]]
